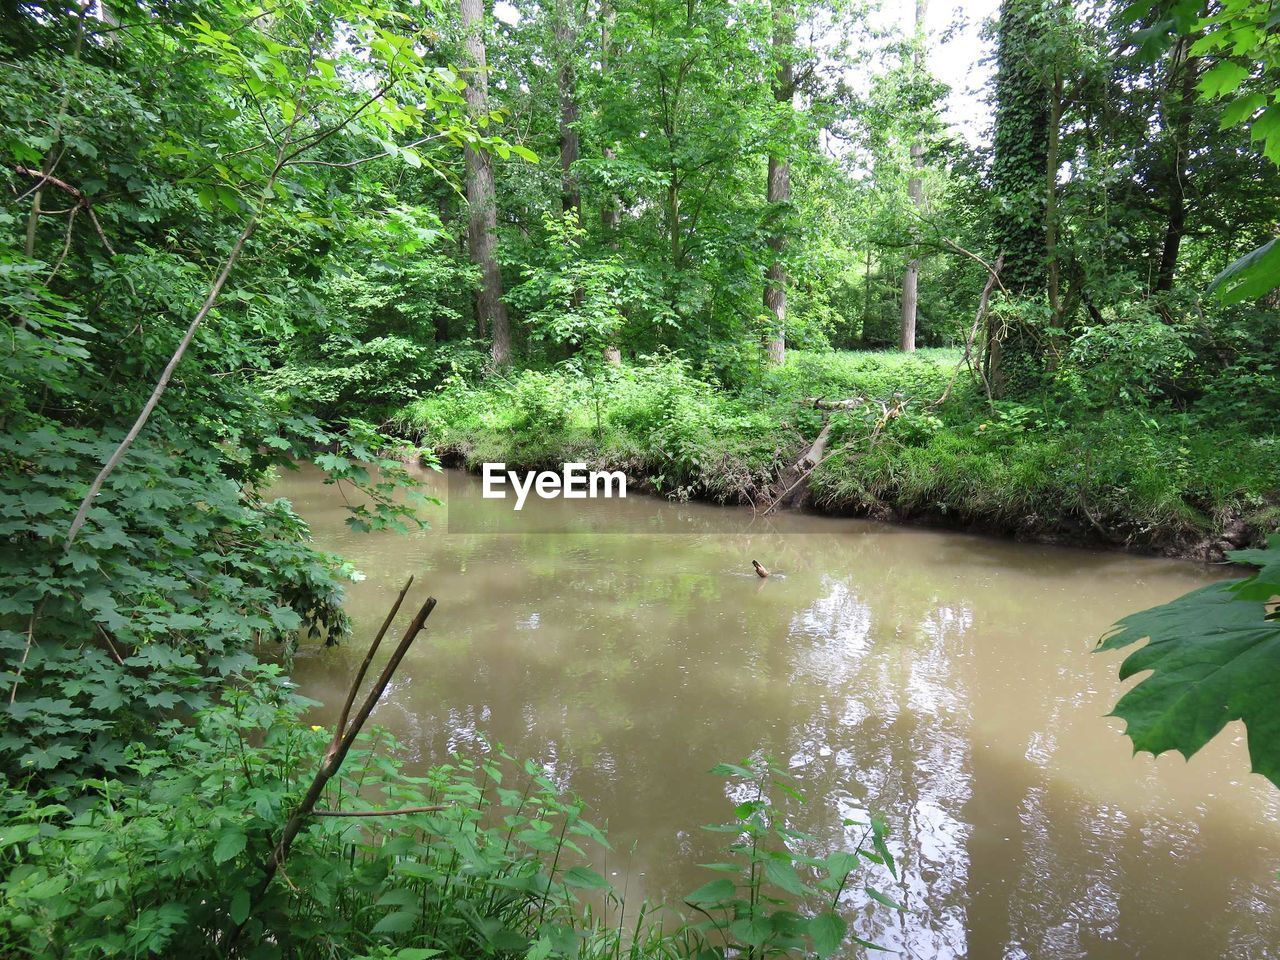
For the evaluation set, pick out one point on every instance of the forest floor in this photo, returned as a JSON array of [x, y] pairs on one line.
[[1158, 480]]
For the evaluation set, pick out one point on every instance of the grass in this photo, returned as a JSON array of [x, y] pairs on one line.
[[1144, 477]]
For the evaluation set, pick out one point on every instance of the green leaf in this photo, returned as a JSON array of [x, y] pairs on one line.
[[1222, 79], [879, 897], [827, 930], [713, 893], [753, 931], [783, 875], [584, 877], [240, 906], [1252, 276], [17, 833], [1213, 657], [402, 921], [231, 843]]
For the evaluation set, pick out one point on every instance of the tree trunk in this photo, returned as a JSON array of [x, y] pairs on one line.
[[778, 190], [1053, 270], [1179, 124], [1019, 161], [915, 190], [566, 40], [611, 210], [482, 230], [673, 217]]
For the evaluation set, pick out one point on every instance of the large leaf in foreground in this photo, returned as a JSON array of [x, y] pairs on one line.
[[1214, 656]]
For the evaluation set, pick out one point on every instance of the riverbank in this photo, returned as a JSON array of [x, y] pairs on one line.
[[1156, 480]]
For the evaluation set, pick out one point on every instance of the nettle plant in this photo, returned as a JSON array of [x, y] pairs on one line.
[[774, 899]]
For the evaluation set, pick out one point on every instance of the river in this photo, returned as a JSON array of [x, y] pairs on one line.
[[943, 679]]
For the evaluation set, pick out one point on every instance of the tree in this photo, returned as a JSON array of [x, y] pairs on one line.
[[915, 188], [778, 190], [482, 230], [610, 209], [1019, 160], [566, 35]]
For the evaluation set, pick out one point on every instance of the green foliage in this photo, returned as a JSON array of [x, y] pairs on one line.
[[573, 301], [1096, 458], [1237, 39], [775, 898], [161, 859], [1213, 656], [184, 563]]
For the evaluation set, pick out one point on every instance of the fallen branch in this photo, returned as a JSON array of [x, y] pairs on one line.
[[817, 454], [851, 404], [344, 738]]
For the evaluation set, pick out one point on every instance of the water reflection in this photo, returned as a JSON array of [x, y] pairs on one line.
[[943, 679]]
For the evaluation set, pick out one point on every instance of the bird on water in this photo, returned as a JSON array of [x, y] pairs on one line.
[[761, 572]]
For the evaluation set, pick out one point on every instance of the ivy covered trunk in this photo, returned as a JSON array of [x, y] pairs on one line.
[[1020, 157]]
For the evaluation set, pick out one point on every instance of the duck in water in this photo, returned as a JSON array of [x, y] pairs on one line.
[[761, 572]]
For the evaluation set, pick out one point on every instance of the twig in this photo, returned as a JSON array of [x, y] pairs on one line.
[[993, 271], [364, 668], [992, 279], [331, 764], [431, 808], [82, 200]]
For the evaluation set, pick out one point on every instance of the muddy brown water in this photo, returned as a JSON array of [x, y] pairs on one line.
[[943, 679]]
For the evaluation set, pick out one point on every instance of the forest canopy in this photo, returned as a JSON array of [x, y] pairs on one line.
[[655, 235]]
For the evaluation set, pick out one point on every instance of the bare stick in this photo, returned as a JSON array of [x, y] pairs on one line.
[[329, 766], [162, 384], [983, 303], [364, 668], [382, 813]]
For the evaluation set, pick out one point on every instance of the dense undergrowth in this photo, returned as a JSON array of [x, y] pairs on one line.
[[1143, 475], [163, 859]]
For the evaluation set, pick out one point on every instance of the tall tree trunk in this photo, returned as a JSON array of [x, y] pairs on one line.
[[566, 40], [610, 211], [1019, 161], [673, 217], [482, 229], [866, 300], [778, 190], [1053, 269], [915, 190], [1183, 68]]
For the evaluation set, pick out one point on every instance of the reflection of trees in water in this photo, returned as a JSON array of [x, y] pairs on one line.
[[942, 679]]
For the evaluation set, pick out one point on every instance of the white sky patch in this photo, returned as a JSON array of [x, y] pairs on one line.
[[505, 12], [958, 57]]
